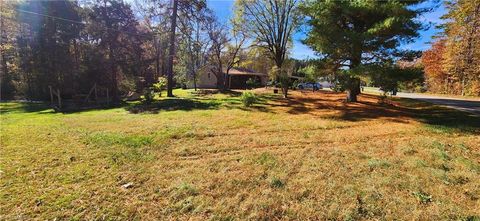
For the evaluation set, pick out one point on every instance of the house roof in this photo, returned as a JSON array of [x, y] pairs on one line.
[[242, 71]]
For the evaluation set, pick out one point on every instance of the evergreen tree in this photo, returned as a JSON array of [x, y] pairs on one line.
[[45, 44], [8, 29], [358, 33]]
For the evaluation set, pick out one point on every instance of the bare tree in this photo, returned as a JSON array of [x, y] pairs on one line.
[[154, 14], [271, 23], [193, 18], [218, 43], [225, 49], [234, 47]]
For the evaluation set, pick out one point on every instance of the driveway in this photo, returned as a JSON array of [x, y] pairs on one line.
[[462, 104]]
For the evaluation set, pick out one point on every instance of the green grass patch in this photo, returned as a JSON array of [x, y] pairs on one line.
[[203, 156], [423, 197], [104, 139], [277, 183], [267, 159], [378, 163]]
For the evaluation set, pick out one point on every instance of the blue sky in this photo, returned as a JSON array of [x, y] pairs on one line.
[[224, 9]]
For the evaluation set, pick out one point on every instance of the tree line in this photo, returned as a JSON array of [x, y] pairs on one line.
[[119, 46], [452, 64], [72, 45]]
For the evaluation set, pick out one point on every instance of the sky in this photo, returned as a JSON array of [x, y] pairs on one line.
[[224, 10]]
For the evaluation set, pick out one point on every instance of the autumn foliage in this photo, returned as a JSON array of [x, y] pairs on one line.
[[452, 65], [435, 76]]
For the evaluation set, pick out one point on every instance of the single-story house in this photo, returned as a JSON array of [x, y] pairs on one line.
[[236, 79]]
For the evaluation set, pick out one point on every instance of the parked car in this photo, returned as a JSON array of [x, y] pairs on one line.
[[326, 84], [310, 85]]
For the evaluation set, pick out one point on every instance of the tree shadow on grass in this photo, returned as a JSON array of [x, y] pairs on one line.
[[199, 102], [202, 101], [256, 108], [441, 118], [173, 105], [23, 107], [435, 117], [331, 105], [206, 92], [400, 110]]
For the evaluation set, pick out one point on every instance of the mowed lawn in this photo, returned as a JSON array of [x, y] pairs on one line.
[[206, 157]]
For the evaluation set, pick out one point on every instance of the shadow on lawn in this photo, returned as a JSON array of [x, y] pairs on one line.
[[189, 104], [200, 101], [25, 107], [321, 104], [332, 105], [441, 118], [172, 104], [203, 92]]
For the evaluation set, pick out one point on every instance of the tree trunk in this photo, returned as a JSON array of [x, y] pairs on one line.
[[77, 63], [3, 62], [351, 97], [227, 78], [284, 79], [285, 91], [220, 80], [353, 89], [197, 65], [157, 58], [111, 56], [357, 87], [171, 51], [195, 82], [353, 85], [113, 70]]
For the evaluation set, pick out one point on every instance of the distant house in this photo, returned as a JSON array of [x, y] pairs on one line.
[[236, 79]]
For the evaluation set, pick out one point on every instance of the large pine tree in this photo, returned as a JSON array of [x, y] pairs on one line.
[[357, 33]]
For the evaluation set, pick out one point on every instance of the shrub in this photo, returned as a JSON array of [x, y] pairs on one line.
[[248, 98], [148, 95], [284, 80], [160, 85], [252, 83], [267, 160]]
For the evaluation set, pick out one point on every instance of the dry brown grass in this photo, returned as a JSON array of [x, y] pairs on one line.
[[311, 157]]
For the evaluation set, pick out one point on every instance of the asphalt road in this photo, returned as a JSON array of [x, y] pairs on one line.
[[463, 104]]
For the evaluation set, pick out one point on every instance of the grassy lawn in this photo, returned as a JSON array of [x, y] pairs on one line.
[[207, 157]]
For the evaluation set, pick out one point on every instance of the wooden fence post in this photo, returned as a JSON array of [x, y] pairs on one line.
[[90, 93], [59, 99], [51, 95], [96, 97], [108, 98]]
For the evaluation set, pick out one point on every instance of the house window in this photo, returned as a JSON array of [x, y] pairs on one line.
[[208, 75]]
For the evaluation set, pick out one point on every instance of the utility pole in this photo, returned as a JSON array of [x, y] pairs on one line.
[[171, 51]]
